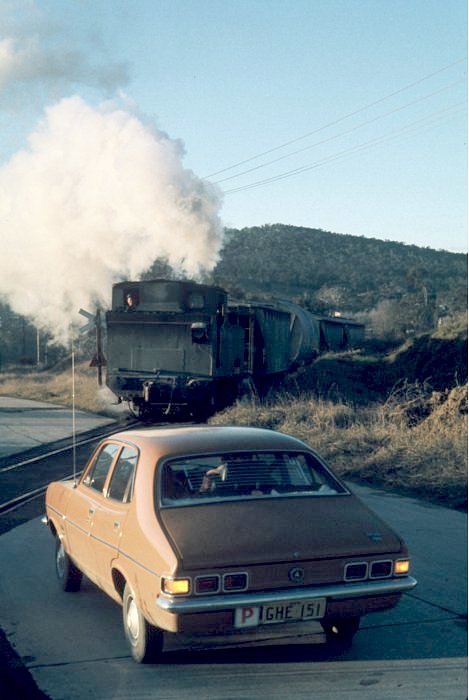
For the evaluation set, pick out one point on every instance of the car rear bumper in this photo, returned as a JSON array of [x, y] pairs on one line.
[[336, 592]]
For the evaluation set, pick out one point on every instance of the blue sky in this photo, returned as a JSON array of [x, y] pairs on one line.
[[370, 94]]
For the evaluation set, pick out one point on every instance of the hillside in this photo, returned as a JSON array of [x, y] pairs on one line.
[[330, 271]]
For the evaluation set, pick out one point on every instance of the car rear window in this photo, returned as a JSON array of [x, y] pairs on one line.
[[245, 475]]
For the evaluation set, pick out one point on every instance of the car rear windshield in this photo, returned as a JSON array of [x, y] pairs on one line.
[[245, 475]]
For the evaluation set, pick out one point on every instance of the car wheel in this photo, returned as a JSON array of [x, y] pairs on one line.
[[340, 632], [68, 574], [145, 641]]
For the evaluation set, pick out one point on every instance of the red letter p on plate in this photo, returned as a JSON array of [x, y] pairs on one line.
[[247, 617]]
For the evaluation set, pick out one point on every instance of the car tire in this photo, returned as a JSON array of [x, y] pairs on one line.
[[68, 574], [340, 632], [145, 640]]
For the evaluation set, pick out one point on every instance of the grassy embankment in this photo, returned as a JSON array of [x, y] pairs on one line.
[[385, 444], [56, 386], [396, 420], [375, 419]]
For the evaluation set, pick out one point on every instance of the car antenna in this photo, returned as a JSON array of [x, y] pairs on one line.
[[74, 451]]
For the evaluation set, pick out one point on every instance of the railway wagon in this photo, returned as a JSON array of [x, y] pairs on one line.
[[183, 348]]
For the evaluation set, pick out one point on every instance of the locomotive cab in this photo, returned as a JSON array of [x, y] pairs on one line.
[[171, 347]]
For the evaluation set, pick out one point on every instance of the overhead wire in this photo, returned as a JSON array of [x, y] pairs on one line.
[[413, 126], [409, 128], [339, 119], [341, 133]]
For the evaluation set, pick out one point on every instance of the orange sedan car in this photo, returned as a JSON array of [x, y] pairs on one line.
[[210, 530]]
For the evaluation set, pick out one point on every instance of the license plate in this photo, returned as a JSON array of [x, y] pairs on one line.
[[274, 613]]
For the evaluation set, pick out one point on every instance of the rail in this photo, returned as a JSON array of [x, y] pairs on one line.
[[24, 497]]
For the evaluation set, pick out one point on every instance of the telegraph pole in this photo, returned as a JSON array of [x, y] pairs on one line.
[[99, 348], [94, 321]]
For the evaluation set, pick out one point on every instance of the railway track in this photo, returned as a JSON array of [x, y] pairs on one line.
[[24, 477]]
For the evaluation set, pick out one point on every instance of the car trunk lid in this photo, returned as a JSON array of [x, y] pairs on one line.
[[241, 533]]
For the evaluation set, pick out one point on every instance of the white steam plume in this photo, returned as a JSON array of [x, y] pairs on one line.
[[27, 62], [96, 197]]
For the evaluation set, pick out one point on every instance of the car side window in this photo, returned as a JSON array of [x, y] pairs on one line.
[[120, 488], [96, 475]]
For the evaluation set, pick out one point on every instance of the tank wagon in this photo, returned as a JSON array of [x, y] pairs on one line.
[[183, 348]]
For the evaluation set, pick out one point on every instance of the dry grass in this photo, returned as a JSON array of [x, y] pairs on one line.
[[56, 386], [414, 442]]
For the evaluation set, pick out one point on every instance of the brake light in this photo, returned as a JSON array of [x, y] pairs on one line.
[[356, 571], [235, 582], [381, 569], [207, 584]]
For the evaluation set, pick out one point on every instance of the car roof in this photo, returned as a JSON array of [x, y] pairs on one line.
[[207, 439]]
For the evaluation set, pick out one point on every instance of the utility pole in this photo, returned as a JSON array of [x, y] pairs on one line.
[[94, 321], [99, 349]]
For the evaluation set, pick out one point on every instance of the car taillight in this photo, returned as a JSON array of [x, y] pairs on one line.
[[401, 567], [356, 571], [235, 582], [381, 569], [207, 584], [176, 586]]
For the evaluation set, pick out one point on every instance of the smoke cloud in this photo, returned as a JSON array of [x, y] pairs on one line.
[[43, 58], [26, 62], [94, 199]]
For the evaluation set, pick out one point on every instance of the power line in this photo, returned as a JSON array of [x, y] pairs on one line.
[[340, 119], [348, 152], [341, 133], [414, 126]]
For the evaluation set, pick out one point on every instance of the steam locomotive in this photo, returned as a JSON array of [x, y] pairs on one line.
[[179, 348]]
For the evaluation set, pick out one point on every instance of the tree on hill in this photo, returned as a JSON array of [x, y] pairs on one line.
[[339, 272]]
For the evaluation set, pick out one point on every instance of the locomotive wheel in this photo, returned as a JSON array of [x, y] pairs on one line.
[[141, 411]]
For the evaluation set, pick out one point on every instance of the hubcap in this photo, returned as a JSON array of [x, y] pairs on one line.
[[133, 622], [60, 561]]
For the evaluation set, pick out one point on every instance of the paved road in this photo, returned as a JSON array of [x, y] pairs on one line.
[[74, 647], [27, 425]]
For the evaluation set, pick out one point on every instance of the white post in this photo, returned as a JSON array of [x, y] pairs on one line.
[[73, 413]]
